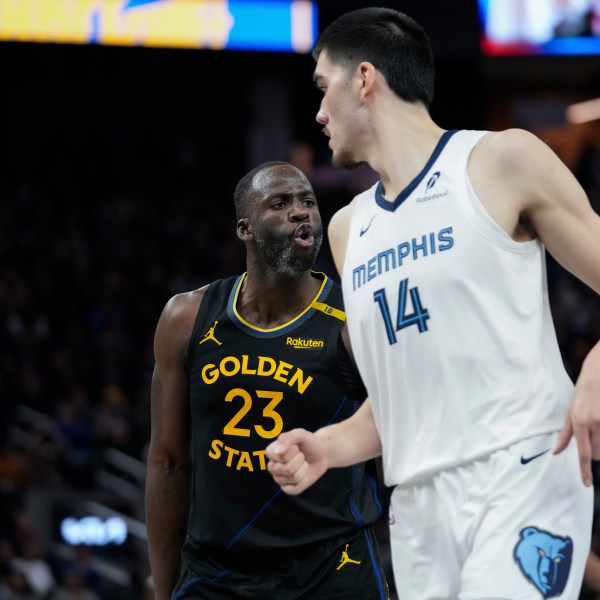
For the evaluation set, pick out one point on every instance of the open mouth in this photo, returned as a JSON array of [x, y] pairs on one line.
[[304, 235]]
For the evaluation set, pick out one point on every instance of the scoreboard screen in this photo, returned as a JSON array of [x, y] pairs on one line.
[[251, 25]]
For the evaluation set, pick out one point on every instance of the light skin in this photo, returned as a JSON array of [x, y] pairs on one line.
[[285, 210], [523, 186]]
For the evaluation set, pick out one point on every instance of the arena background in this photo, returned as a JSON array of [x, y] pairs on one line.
[[117, 172]]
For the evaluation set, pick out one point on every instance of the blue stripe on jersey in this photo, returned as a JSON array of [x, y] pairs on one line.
[[382, 590], [409, 189], [196, 580], [279, 491]]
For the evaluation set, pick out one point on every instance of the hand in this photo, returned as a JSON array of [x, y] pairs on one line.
[[583, 421], [296, 459]]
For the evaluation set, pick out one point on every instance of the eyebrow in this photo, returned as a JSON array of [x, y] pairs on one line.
[[317, 77]]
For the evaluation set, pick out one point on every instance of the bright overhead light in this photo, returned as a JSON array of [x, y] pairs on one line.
[[582, 112]]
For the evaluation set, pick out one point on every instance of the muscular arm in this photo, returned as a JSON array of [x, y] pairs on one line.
[[169, 461], [536, 191]]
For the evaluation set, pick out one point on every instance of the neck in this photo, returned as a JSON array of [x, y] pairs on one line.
[[269, 301], [402, 144]]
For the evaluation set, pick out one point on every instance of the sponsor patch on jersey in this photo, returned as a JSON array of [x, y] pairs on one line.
[[431, 196], [433, 180], [298, 342]]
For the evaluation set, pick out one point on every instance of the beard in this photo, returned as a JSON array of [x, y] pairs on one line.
[[279, 254]]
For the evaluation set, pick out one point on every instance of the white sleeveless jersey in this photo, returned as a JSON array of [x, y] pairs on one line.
[[449, 321]]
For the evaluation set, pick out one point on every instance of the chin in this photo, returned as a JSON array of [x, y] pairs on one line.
[[345, 160]]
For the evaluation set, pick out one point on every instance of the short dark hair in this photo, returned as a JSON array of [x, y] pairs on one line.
[[244, 187], [392, 41]]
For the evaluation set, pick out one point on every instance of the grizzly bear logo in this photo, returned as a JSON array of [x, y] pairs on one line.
[[544, 559]]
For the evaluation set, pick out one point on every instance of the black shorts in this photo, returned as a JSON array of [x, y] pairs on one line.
[[347, 568]]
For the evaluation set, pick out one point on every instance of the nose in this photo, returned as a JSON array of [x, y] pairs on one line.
[[321, 117], [298, 212]]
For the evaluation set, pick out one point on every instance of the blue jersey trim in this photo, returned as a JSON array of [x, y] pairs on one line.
[[410, 188]]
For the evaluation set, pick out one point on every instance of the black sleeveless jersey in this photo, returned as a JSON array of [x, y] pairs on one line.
[[248, 385]]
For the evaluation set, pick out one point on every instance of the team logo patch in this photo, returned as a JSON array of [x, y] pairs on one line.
[[346, 559], [210, 335], [544, 560]]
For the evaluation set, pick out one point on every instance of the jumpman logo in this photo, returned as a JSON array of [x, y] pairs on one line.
[[346, 559], [210, 335]]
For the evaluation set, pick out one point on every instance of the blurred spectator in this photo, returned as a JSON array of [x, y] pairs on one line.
[[113, 423], [17, 587], [7, 554], [73, 587], [80, 569], [34, 568], [76, 440]]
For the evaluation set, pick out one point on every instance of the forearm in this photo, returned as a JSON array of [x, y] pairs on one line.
[[352, 441], [167, 507], [590, 369]]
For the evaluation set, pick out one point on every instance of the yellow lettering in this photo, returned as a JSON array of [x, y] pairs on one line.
[[261, 454], [245, 369], [231, 452], [236, 366], [210, 373], [282, 371], [245, 462], [262, 370], [297, 378], [216, 449], [249, 461]]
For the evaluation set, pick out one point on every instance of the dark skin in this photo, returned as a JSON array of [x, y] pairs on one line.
[[276, 289]]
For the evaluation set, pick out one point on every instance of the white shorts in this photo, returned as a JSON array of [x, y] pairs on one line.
[[515, 525]]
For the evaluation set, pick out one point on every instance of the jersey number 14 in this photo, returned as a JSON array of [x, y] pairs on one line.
[[418, 316]]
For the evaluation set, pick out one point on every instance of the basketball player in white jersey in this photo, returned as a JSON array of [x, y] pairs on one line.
[[486, 440]]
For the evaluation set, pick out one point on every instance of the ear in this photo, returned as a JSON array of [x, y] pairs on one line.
[[366, 74], [244, 229]]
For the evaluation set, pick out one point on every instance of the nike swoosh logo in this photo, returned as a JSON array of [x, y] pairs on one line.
[[364, 230], [524, 460]]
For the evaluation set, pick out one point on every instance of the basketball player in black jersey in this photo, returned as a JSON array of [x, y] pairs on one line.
[[238, 362]]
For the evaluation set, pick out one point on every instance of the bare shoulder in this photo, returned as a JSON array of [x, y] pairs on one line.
[[176, 322], [513, 152], [182, 308], [340, 220], [337, 231]]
